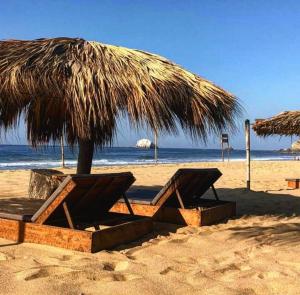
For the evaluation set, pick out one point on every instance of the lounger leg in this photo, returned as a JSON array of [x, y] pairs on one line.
[[68, 215], [179, 198], [215, 192], [128, 204], [96, 226]]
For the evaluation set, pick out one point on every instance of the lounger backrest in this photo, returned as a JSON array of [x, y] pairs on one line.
[[190, 184], [90, 196]]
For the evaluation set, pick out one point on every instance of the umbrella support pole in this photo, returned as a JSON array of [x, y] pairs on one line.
[[248, 159], [85, 156]]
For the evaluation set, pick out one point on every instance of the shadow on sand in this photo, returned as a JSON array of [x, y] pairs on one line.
[[280, 207], [251, 204], [258, 203]]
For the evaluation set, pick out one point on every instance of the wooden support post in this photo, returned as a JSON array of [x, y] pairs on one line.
[[85, 156], [222, 150], [128, 204], [68, 215], [248, 159], [179, 199], [225, 142], [215, 192], [62, 152], [155, 147]]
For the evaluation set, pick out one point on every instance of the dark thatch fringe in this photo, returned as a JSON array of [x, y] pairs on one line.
[[284, 124]]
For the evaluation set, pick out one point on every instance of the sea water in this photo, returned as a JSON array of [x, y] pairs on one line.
[[25, 157]]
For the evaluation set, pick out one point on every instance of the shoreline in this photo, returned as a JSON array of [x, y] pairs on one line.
[[42, 166]]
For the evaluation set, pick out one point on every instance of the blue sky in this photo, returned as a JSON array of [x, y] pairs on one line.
[[248, 47]]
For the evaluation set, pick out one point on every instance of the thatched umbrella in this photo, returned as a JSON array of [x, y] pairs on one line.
[[284, 124], [80, 88]]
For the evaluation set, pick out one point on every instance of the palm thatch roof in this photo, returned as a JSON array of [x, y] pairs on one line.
[[285, 123], [81, 88]]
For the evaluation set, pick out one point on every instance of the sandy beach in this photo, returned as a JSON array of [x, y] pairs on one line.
[[255, 253]]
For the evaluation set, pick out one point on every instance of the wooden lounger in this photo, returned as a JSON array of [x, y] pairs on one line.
[[180, 200], [293, 182], [76, 216]]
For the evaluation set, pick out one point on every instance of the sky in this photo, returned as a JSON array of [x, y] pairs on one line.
[[248, 47]]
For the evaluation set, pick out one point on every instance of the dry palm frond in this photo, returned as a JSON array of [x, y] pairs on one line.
[[81, 88], [284, 124]]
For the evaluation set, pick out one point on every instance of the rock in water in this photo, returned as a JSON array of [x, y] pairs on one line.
[[145, 144], [43, 182]]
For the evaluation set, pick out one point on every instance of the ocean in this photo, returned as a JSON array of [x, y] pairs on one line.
[[24, 157]]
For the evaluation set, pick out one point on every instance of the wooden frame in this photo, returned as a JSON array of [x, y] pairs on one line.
[[180, 200], [205, 214], [80, 240], [293, 182], [77, 216]]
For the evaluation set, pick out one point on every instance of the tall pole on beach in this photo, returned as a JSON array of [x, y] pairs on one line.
[[62, 152], [248, 159], [155, 147]]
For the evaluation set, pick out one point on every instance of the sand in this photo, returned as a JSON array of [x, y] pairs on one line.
[[258, 252]]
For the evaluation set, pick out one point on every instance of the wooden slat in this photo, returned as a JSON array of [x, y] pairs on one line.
[[100, 181], [121, 234], [68, 215], [105, 195], [44, 215]]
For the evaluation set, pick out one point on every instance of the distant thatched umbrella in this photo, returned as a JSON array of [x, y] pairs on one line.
[[81, 88], [284, 124]]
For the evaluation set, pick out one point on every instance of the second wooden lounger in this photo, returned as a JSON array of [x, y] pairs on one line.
[[180, 200], [76, 216]]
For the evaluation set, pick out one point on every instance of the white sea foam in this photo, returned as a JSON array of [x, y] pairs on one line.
[[112, 162]]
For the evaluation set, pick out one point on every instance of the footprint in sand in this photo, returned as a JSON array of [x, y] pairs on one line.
[[228, 273], [166, 271], [125, 277], [65, 258], [271, 275], [177, 269], [108, 276], [32, 274], [41, 272], [131, 257], [187, 260], [179, 241], [247, 291], [108, 266], [120, 266], [132, 252]]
